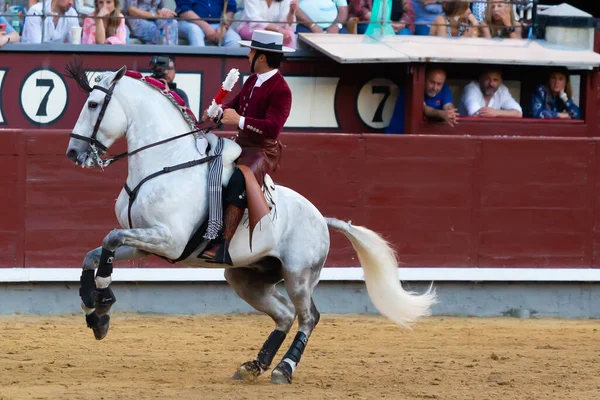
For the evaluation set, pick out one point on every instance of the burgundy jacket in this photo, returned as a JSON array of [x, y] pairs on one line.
[[266, 111]]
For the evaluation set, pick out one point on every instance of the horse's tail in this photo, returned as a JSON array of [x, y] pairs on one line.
[[380, 267]]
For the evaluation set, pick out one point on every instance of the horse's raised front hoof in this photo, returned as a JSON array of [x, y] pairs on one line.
[[103, 300], [99, 325], [248, 371], [282, 374]]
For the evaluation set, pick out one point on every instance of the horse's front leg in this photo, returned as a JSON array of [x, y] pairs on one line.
[[120, 244]]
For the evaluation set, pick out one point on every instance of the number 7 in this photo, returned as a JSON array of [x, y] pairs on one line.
[[42, 109], [385, 90]]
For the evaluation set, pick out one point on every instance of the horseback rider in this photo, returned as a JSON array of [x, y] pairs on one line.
[[259, 111]]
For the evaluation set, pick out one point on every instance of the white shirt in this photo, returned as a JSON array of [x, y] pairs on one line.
[[322, 12], [32, 30], [472, 100], [262, 78], [259, 10]]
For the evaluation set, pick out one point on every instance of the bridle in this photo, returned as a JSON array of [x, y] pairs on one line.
[[98, 149]]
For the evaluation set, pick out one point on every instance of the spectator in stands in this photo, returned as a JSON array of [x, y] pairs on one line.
[[555, 99], [426, 11], [55, 29], [401, 20], [403, 17], [331, 15], [202, 21], [106, 25], [458, 20], [478, 9], [274, 15], [500, 21], [84, 7], [360, 12], [147, 27], [7, 33], [438, 98], [489, 98]]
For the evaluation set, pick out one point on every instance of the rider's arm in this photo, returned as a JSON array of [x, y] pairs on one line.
[[233, 103], [277, 113]]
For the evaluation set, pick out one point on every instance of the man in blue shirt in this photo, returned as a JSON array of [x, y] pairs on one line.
[[438, 98], [194, 27], [437, 105]]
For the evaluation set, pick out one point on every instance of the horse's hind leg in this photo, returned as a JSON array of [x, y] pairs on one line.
[[299, 284], [258, 289]]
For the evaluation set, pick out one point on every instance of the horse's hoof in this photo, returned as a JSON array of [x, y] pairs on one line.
[[248, 371], [99, 325], [103, 300], [282, 374]]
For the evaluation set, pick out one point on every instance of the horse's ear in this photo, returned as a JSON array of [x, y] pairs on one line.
[[120, 74]]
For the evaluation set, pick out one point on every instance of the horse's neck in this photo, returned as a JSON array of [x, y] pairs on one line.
[[155, 121]]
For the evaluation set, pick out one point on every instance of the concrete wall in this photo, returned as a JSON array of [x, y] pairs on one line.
[[574, 300]]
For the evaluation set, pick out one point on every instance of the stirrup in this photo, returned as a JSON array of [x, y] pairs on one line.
[[222, 256]]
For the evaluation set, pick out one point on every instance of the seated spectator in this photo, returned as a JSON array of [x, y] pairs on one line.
[[360, 11], [426, 11], [400, 22], [84, 7], [403, 17], [438, 98], [56, 29], [500, 21], [7, 33], [331, 15], [458, 20], [489, 98], [555, 99], [202, 22], [478, 9], [274, 15], [106, 25], [146, 27]]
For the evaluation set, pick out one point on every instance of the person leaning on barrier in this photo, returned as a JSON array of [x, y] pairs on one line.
[[438, 98], [500, 21], [7, 33], [55, 29], [163, 69], [554, 100], [489, 98]]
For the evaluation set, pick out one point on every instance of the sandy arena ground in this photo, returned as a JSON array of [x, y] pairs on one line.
[[357, 357]]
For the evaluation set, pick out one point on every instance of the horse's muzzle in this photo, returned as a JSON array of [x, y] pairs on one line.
[[72, 155]]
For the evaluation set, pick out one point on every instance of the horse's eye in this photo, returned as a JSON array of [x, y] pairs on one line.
[[92, 105]]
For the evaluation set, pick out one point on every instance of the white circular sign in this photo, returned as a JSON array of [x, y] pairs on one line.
[[44, 96], [376, 102]]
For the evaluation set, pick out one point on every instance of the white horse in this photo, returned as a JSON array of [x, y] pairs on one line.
[[291, 243]]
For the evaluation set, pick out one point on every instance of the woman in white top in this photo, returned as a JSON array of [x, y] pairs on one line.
[[271, 15]]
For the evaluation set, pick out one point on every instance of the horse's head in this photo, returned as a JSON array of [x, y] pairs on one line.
[[102, 119]]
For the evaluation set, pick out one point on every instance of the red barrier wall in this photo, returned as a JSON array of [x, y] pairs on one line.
[[443, 201]]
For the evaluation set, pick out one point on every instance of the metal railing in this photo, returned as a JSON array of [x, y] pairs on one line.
[[526, 10]]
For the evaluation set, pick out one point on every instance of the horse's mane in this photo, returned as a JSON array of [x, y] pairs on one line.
[[76, 71]]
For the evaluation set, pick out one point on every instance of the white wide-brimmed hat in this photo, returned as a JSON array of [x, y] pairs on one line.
[[267, 41]]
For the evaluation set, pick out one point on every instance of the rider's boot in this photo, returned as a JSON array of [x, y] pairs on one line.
[[218, 251]]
